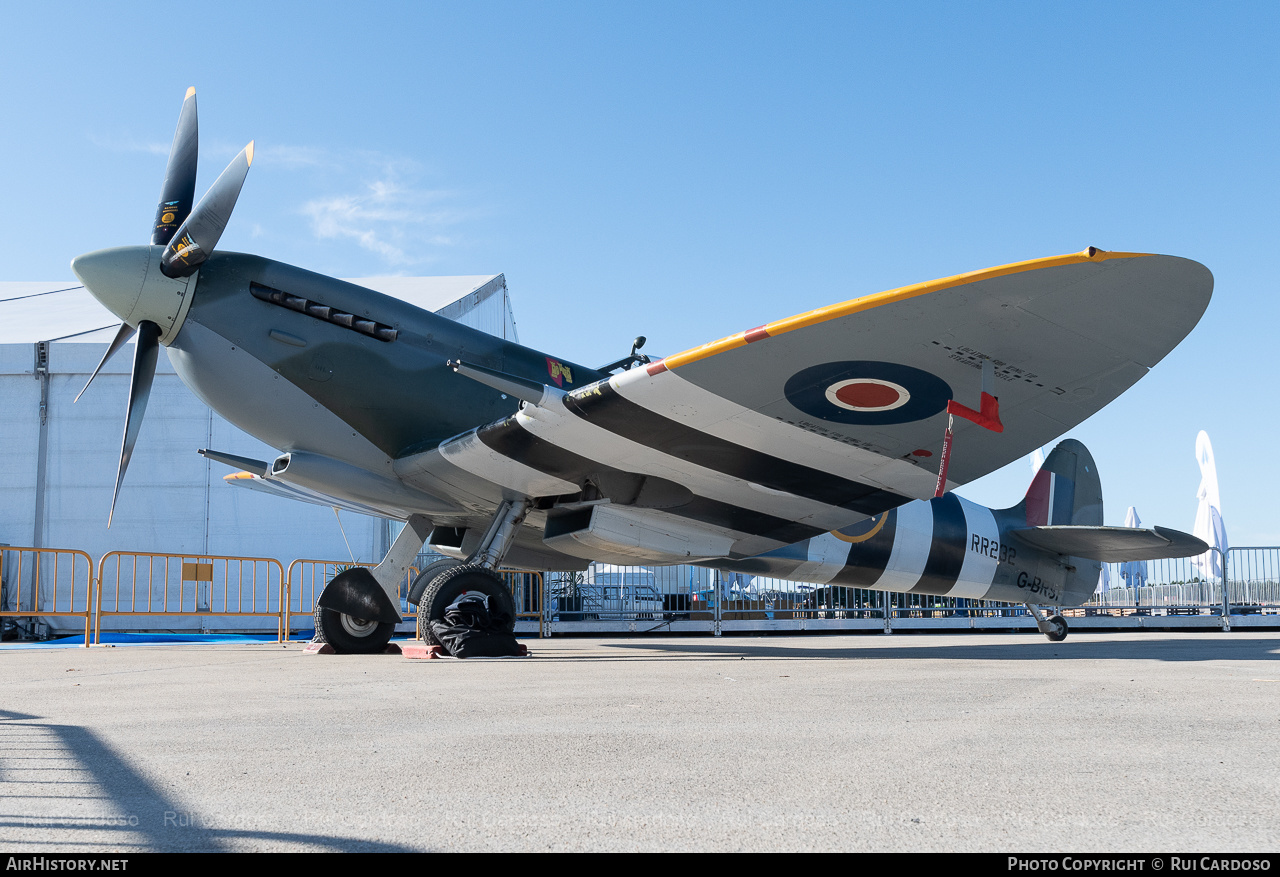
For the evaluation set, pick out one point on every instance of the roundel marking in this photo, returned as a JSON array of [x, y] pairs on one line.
[[877, 524], [867, 392]]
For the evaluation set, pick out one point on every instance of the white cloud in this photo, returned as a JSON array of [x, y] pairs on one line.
[[375, 199], [387, 216], [214, 154], [287, 157], [118, 144]]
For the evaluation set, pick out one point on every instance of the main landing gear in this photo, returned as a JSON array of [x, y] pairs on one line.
[[357, 612], [476, 576], [350, 635], [1053, 626], [462, 581]]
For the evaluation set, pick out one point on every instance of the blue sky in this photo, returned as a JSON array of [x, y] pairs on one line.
[[686, 170]]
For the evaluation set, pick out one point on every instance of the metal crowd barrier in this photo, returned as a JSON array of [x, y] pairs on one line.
[[149, 584], [621, 599], [1253, 580], [528, 590], [1249, 585], [683, 598], [46, 582]]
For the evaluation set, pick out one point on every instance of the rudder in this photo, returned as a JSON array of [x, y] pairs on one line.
[[1066, 490]]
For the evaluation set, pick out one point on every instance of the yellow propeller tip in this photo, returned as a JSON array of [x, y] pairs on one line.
[[190, 92], [248, 151]]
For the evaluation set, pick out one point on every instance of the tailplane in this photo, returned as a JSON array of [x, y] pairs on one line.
[[1062, 515]]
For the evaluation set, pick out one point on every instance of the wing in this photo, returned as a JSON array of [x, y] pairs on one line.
[[816, 422], [1066, 335], [1113, 544], [276, 487]]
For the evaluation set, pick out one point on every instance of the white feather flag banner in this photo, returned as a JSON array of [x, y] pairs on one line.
[[1209, 526]]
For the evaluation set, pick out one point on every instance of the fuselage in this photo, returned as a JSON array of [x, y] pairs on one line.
[[392, 388], [356, 388], [946, 547]]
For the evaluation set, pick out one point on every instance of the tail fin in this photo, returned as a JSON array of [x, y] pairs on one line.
[[1066, 490], [1062, 515]]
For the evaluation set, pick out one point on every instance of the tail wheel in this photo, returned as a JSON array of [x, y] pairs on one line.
[[351, 636], [454, 583], [1059, 629]]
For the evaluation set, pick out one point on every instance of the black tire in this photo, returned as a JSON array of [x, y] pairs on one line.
[[351, 636], [1059, 632], [452, 584], [423, 579]]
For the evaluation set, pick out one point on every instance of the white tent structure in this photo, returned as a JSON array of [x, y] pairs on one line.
[[59, 460], [1134, 572], [1209, 525]]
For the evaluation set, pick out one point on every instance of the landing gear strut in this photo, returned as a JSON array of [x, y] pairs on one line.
[[359, 608], [476, 575], [1053, 626]]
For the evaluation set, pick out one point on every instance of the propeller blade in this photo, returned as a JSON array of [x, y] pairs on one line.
[[144, 373], [122, 338], [179, 190], [199, 234]]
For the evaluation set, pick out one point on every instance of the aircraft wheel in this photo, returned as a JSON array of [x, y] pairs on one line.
[[429, 572], [1059, 629], [351, 636], [454, 583]]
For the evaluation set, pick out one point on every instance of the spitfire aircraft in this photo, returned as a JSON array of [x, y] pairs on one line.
[[815, 448]]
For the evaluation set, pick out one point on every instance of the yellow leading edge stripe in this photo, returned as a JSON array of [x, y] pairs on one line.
[[866, 303]]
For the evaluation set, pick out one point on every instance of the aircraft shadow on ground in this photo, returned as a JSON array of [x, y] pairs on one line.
[[137, 814], [1229, 648]]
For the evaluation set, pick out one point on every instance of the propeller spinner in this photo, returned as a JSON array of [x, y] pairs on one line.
[[150, 288]]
